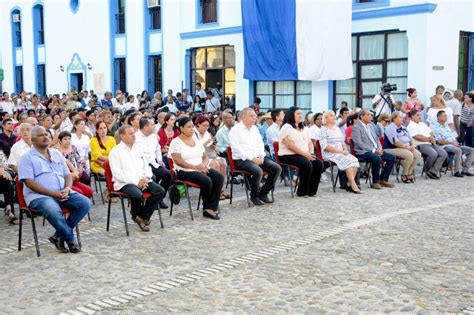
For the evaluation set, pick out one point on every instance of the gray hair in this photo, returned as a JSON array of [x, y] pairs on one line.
[[123, 129], [36, 130], [245, 111], [157, 94]]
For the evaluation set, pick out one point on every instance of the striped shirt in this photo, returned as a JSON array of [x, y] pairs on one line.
[[467, 115]]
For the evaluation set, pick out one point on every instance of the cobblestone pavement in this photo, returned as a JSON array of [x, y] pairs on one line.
[[338, 252]]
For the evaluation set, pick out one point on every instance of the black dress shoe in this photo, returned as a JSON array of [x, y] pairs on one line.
[[74, 248], [265, 199], [163, 205], [59, 243], [210, 216], [467, 173], [256, 201], [432, 175], [458, 174]]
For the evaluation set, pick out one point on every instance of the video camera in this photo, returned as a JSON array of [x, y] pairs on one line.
[[387, 87]]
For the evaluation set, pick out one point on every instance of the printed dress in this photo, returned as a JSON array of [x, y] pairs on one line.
[[334, 138]]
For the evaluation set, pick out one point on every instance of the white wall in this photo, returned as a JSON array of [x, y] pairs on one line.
[[136, 62]]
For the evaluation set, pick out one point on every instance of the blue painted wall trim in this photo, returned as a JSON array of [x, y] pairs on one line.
[[331, 104], [74, 5], [212, 32], [395, 11], [187, 70], [369, 5]]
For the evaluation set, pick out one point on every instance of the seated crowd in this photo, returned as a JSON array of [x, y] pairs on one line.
[[54, 148]]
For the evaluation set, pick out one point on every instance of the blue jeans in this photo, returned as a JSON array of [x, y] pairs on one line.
[[375, 160], [51, 209]]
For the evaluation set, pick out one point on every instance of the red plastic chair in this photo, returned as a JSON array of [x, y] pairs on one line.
[[319, 154], [187, 185], [361, 160], [122, 196], [25, 209], [235, 172], [288, 168]]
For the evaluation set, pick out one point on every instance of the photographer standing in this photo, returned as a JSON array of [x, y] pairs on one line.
[[383, 102]]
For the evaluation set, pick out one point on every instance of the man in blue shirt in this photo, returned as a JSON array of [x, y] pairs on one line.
[[47, 189], [107, 101], [446, 138]]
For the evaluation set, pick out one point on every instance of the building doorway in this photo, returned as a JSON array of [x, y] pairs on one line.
[[210, 65], [76, 80]]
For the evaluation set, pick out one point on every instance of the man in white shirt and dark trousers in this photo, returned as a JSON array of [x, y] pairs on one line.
[[248, 153], [147, 141], [425, 141], [132, 176]]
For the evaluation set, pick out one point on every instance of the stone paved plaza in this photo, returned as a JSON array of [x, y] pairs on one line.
[[408, 249]]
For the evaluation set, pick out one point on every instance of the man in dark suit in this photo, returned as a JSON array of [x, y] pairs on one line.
[[367, 147]]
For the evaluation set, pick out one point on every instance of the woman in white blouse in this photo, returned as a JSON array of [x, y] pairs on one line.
[[191, 164], [208, 142], [438, 104], [80, 140], [296, 149], [334, 149]]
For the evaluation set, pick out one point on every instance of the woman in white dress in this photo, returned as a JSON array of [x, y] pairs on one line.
[[334, 149], [81, 141], [203, 136]]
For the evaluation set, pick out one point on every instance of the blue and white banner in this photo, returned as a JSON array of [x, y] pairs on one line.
[[297, 39]]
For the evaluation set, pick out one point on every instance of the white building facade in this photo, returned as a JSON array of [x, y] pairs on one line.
[[47, 46]]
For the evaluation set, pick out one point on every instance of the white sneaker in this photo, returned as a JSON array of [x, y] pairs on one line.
[[324, 178]]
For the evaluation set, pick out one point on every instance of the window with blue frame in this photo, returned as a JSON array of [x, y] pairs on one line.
[[38, 24], [16, 19], [207, 11], [154, 10], [466, 61], [120, 74], [155, 81], [18, 79], [41, 80], [284, 94], [120, 17]]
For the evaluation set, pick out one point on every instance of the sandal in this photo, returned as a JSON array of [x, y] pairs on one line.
[[405, 179], [12, 219]]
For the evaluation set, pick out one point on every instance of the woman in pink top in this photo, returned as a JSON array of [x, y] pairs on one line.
[[296, 149], [413, 102]]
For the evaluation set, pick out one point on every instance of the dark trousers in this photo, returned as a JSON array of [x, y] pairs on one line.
[[162, 176], [376, 160], [309, 173], [210, 183], [7, 190], [256, 171], [466, 136], [136, 199]]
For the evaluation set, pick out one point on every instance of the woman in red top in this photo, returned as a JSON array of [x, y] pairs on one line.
[[351, 122], [167, 132]]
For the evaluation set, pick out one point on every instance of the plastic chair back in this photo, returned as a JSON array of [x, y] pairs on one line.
[[230, 159], [276, 148], [21, 196], [108, 176]]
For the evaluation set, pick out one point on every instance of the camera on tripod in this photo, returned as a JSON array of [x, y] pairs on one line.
[[388, 88]]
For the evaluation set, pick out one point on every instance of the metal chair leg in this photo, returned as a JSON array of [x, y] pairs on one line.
[[101, 193], [291, 182], [231, 188], [189, 202], [124, 217], [332, 178], [33, 226], [20, 228], [108, 214], [78, 236], [247, 186], [161, 220]]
